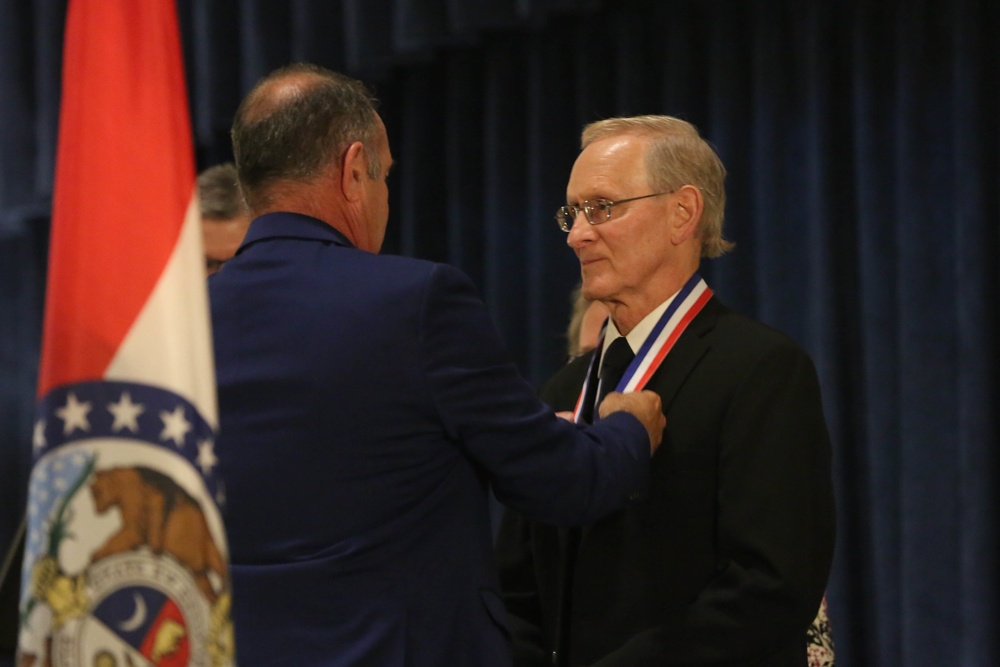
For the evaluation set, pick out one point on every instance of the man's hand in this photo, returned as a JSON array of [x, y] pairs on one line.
[[645, 405]]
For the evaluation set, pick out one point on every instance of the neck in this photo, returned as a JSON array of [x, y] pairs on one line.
[[320, 203], [627, 316], [629, 309]]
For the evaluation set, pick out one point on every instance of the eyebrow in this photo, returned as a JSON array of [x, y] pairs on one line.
[[580, 201]]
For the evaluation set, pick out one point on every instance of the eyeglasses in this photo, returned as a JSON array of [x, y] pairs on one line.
[[597, 211]]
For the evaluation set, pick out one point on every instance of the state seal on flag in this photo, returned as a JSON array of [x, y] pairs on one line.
[[141, 608], [125, 561]]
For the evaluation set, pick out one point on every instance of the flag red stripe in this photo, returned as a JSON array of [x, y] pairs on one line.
[[124, 179]]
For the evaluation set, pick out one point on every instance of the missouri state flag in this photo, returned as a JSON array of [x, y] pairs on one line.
[[126, 559]]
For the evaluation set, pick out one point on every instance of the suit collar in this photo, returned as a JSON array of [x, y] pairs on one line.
[[291, 226], [687, 353], [682, 359]]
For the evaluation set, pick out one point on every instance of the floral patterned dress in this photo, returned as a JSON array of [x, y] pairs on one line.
[[819, 645]]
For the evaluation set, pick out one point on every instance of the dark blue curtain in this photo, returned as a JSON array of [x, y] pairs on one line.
[[863, 148]]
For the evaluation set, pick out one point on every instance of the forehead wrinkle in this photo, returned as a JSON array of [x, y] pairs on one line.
[[613, 166]]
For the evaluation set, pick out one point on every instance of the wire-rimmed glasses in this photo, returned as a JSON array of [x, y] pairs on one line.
[[597, 211]]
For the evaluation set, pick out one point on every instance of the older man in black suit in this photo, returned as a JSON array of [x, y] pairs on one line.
[[727, 562]]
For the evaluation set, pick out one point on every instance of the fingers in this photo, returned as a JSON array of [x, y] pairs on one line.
[[645, 406]]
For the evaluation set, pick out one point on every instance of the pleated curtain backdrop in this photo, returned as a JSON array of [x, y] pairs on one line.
[[863, 150]]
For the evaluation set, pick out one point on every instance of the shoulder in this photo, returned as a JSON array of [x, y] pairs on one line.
[[411, 269], [421, 279], [431, 284], [401, 270], [739, 334], [744, 350]]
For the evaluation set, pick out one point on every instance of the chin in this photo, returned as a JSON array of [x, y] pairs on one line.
[[594, 290]]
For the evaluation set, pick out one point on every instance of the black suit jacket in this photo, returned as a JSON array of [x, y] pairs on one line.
[[728, 560]]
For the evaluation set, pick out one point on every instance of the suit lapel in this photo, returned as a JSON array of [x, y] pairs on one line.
[[563, 389], [689, 350]]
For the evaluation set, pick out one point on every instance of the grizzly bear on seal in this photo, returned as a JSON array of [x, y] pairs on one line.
[[158, 513]]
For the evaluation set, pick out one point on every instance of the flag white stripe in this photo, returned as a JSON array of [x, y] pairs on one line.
[[184, 363]]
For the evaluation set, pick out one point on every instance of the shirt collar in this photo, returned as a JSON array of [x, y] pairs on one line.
[[637, 336]]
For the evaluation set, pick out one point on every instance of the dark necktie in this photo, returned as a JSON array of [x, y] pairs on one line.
[[616, 359], [613, 365]]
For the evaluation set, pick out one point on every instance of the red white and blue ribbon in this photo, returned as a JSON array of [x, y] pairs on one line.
[[684, 307]]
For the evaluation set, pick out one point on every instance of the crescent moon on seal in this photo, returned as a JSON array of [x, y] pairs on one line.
[[138, 616]]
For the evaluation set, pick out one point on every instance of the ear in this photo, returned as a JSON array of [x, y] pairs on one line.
[[353, 172], [688, 205]]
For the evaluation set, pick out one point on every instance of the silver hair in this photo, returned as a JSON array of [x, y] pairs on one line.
[[219, 193], [677, 155]]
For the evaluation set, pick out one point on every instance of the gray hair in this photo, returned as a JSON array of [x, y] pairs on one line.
[[219, 193], [677, 155]]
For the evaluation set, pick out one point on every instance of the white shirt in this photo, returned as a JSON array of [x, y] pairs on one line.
[[637, 336]]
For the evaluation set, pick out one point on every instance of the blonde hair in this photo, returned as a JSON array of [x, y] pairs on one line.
[[580, 305], [676, 156]]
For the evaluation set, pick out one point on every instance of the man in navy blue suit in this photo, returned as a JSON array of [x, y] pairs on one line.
[[367, 403]]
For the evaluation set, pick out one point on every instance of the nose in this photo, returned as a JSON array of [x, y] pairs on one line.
[[581, 233]]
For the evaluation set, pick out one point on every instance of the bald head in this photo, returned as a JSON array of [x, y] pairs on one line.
[[294, 124]]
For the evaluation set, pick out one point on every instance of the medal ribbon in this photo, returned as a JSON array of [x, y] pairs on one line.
[[672, 323]]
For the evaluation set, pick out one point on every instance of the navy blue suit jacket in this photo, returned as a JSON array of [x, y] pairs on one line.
[[366, 402]]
